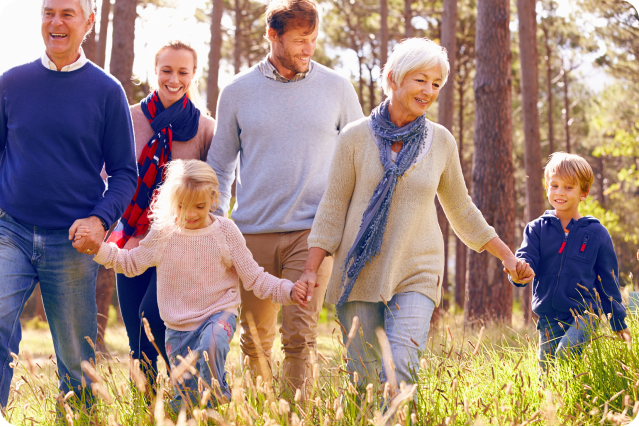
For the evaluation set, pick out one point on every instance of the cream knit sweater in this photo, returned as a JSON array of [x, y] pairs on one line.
[[412, 253], [198, 271]]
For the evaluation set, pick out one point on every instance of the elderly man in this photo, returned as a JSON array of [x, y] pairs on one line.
[[283, 117], [61, 119]]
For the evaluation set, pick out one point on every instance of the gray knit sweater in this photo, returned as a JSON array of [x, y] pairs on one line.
[[285, 135]]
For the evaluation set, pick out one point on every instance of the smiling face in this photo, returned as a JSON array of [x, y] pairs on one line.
[[414, 95], [63, 29], [565, 196], [197, 215], [292, 51], [175, 70]]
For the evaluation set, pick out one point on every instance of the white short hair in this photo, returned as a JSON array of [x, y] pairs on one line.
[[88, 7], [414, 54]]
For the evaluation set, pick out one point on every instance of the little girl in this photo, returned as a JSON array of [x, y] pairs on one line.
[[200, 259]]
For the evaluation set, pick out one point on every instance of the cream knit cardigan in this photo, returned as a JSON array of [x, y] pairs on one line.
[[412, 253]]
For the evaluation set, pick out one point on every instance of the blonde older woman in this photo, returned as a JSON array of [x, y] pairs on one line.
[[378, 215]]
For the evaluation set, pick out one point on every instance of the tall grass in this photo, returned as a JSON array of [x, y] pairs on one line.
[[465, 378]]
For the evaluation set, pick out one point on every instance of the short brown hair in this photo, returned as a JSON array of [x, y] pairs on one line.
[[282, 15], [570, 167]]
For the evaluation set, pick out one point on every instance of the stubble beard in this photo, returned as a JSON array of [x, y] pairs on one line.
[[288, 61]]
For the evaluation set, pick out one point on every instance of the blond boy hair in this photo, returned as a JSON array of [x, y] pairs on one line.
[[571, 168]]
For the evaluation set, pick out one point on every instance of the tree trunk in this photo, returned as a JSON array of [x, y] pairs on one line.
[[215, 55], [461, 250], [551, 135], [567, 108], [532, 148], [121, 66], [105, 11], [90, 46], [448, 41], [445, 115], [383, 32], [408, 18], [490, 293], [237, 51], [371, 89], [105, 284]]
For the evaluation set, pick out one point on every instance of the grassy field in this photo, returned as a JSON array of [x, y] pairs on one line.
[[467, 377]]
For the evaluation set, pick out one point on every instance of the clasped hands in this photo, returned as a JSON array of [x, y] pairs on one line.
[[519, 270], [87, 235]]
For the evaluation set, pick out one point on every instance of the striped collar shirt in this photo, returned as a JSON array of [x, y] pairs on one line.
[[271, 72], [48, 63]]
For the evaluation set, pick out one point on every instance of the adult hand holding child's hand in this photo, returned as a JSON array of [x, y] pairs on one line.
[[298, 293], [518, 269], [89, 243], [309, 278]]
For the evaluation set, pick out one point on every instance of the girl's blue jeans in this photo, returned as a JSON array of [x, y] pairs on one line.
[[405, 320], [213, 337], [556, 342], [29, 255]]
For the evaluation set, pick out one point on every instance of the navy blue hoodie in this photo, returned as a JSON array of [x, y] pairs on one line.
[[565, 265]]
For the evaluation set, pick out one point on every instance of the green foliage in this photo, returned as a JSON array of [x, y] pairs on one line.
[[608, 219]]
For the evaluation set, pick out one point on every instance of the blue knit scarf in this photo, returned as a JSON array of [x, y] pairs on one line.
[[368, 242]]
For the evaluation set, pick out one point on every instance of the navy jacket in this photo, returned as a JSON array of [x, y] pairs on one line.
[[565, 265]]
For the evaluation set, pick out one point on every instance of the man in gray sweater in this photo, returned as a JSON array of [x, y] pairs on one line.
[[282, 117]]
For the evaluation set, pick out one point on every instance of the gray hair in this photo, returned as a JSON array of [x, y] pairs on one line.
[[88, 7], [414, 54]]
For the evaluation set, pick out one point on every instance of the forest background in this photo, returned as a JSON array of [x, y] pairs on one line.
[[568, 82]]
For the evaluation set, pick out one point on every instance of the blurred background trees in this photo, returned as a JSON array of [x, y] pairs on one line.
[[567, 69]]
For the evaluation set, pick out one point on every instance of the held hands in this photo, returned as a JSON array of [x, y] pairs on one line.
[[309, 278], [87, 235], [518, 269], [298, 294], [303, 290]]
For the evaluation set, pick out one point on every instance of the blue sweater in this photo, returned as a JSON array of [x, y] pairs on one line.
[[57, 130], [585, 257]]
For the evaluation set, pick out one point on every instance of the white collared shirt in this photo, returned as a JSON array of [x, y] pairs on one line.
[[72, 67]]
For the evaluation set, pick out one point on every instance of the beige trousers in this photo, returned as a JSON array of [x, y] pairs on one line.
[[283, 255]]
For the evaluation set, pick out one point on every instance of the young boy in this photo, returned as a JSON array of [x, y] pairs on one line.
[[574, 262]]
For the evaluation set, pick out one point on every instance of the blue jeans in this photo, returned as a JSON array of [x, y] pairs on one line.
[[213, 336], [556, 342], [138, 298], [411, 320], [29, 255]]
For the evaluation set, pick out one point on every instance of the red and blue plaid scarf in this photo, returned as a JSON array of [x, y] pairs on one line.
[[178, 122]]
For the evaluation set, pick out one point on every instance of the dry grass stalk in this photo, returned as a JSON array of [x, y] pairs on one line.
[[186, 363], [90, 371], [481, 335], [139, 379]]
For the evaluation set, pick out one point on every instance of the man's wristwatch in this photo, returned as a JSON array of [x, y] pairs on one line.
[[104, 224]]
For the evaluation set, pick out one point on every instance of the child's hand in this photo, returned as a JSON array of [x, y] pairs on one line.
[[298, 294], [525, 272], [81, 232], [522, 273]]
